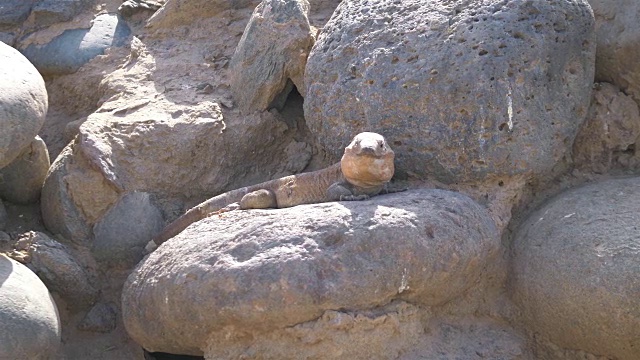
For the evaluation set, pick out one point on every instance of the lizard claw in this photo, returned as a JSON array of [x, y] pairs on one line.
[[150, 247], [391, 191]]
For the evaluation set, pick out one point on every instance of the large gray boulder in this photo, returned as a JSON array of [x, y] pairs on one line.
[[170, 151], [23, 103], [70, 50], [120, 236], [576, 269], [272, 54], [461, 90], [259, 271], [30, 327], [22, 180], [618, 35]]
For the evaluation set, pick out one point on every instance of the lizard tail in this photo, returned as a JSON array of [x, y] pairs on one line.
[[181, 223], [221, 203]]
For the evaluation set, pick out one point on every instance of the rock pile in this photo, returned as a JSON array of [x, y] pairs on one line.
[[515, 127]]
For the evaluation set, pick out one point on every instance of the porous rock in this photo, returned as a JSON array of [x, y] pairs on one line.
[[122, 233], [272, 54], [23, 103], [618, 34], [66, 53], [29, 317], [576, 269], [257, 271], [462, 89], [22, 180], [57, 267], [610, 133]]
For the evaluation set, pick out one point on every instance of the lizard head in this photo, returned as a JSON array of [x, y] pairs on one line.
[[368, 160]]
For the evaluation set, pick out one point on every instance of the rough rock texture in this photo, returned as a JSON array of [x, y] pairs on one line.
[[30, 324], [382, 333], [396, 331], [59, 213], [115, 154], [55, 264], [257, 271], [272, 54], [14, 12], [21, 181], [182, 12], [462, 90], [67, 52], [101, 318], [131, 7], [48, 12], [468, 338], [576, 269], [23, 103], [122, 233], [610, 133], [618, 34]]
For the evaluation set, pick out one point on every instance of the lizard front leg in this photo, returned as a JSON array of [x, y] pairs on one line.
[[341, 191]]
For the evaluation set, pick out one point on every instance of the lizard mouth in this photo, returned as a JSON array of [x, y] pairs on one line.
[[367, 170]]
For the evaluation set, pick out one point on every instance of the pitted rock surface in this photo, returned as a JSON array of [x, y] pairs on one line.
[[23, 103], [261, 270], [576, 269], [461, 90]]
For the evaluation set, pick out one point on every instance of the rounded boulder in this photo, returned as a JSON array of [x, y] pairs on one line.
[[261, 270], [576, 269], [461, 90], [29, 317], [23, 103]]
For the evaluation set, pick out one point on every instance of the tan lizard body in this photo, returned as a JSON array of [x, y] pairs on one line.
[[363, 171]]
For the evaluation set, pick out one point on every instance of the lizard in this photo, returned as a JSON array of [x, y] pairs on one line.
[[363, 171]]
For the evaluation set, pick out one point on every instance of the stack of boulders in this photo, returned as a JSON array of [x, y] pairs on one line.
[[515, 126], [29, 317]]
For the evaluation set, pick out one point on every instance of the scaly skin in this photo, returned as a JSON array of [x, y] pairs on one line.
[[364, 170]]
